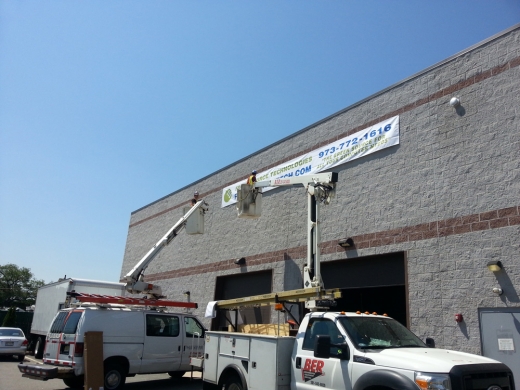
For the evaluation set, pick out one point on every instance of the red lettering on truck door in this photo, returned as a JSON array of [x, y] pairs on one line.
[[311, 369]]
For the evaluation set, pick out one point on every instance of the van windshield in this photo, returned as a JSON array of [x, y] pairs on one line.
[[379, 333]]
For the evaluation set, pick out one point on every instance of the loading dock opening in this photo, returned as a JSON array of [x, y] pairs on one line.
[[371, 283]]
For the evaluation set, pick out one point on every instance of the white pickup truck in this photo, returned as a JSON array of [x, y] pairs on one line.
[[344, 351]]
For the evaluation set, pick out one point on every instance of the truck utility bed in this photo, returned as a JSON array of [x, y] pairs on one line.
[[265, 359]]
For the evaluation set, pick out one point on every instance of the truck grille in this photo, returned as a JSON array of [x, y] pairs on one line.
[[482, 377]]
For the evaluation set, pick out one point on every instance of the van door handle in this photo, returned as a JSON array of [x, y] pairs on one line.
[[298, 362], [179, 349]]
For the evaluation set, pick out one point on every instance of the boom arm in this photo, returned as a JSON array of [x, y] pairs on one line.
[[134, 279], [320, 189]]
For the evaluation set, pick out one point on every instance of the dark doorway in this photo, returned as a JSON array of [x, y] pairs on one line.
[[371, 283], [382, 300], [238, 286]]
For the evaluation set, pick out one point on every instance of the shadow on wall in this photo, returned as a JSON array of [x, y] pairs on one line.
[[507, 286], [292, 277], [461, 111], [464, 330]]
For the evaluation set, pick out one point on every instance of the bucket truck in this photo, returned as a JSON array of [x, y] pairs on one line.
[[333, 351]]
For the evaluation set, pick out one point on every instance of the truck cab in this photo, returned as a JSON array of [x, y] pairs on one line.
[[344, 351], [365, 351]]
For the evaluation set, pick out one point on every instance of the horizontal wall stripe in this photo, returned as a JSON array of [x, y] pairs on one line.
[[493, 219]]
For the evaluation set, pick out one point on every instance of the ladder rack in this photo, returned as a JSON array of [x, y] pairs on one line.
[[96, 298], [291, 296]]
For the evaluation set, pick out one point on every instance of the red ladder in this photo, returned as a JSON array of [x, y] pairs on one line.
[[96, 298]]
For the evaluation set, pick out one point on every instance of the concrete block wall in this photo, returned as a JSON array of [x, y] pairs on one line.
[[447, 195]]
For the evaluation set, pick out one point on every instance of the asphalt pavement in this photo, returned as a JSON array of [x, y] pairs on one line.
[[11, 379]]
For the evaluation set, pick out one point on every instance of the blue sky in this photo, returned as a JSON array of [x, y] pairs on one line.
[[107, 106]]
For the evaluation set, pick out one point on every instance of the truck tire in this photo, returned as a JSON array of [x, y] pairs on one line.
[[176, 374], [30, 347], [74, 382], [233, 382], [115, 376], [39, 348]]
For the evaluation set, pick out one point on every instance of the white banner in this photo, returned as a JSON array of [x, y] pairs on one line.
[[360, 144]]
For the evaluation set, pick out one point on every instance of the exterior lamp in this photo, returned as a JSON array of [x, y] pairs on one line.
[[494, 266], [346, 242], [454, 102], [498, 291], [240, 261]]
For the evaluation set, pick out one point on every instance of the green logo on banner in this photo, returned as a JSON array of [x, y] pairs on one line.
[[228, 195]]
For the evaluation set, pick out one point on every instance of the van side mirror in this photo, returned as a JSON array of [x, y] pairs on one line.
[[322, 347], [430, 343]]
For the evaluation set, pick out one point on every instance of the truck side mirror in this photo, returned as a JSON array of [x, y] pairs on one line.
[[430, 343], [322, 347]]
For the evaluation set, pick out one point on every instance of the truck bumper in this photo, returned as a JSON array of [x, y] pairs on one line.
[[44, 372]]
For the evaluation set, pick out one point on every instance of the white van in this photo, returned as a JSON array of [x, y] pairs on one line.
[[134, 342]]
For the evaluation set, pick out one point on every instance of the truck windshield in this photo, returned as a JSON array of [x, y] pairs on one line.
[[379, 333]]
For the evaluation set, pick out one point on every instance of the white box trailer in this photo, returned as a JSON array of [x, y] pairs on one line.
[[53, 297]]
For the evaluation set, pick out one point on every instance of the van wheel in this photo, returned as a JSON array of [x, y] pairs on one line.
[[233, 383], [74, 382], [38, 349], [21, 358], [115, 376], [176, 374]]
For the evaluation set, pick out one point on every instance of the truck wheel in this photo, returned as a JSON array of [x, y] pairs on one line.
[[38, 349], [176, 374], [74, 382], [30, 347], [233, 383], [115, 376]]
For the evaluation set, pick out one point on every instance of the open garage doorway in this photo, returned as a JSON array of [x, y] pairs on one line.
[[239, 286], [372, 283]]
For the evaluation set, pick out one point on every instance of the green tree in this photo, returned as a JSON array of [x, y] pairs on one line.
[[10, 318], [18, 287]]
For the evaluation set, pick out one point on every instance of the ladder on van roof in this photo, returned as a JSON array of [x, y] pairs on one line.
[[96, 298]]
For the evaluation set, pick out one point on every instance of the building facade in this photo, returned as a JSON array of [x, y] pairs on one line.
[[426, 215]]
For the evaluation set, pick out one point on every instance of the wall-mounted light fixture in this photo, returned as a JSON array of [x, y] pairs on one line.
[[494, 265], [187, 294], [498, 291], [459, 317], [240, 261], [346, 242], [454, 102]]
